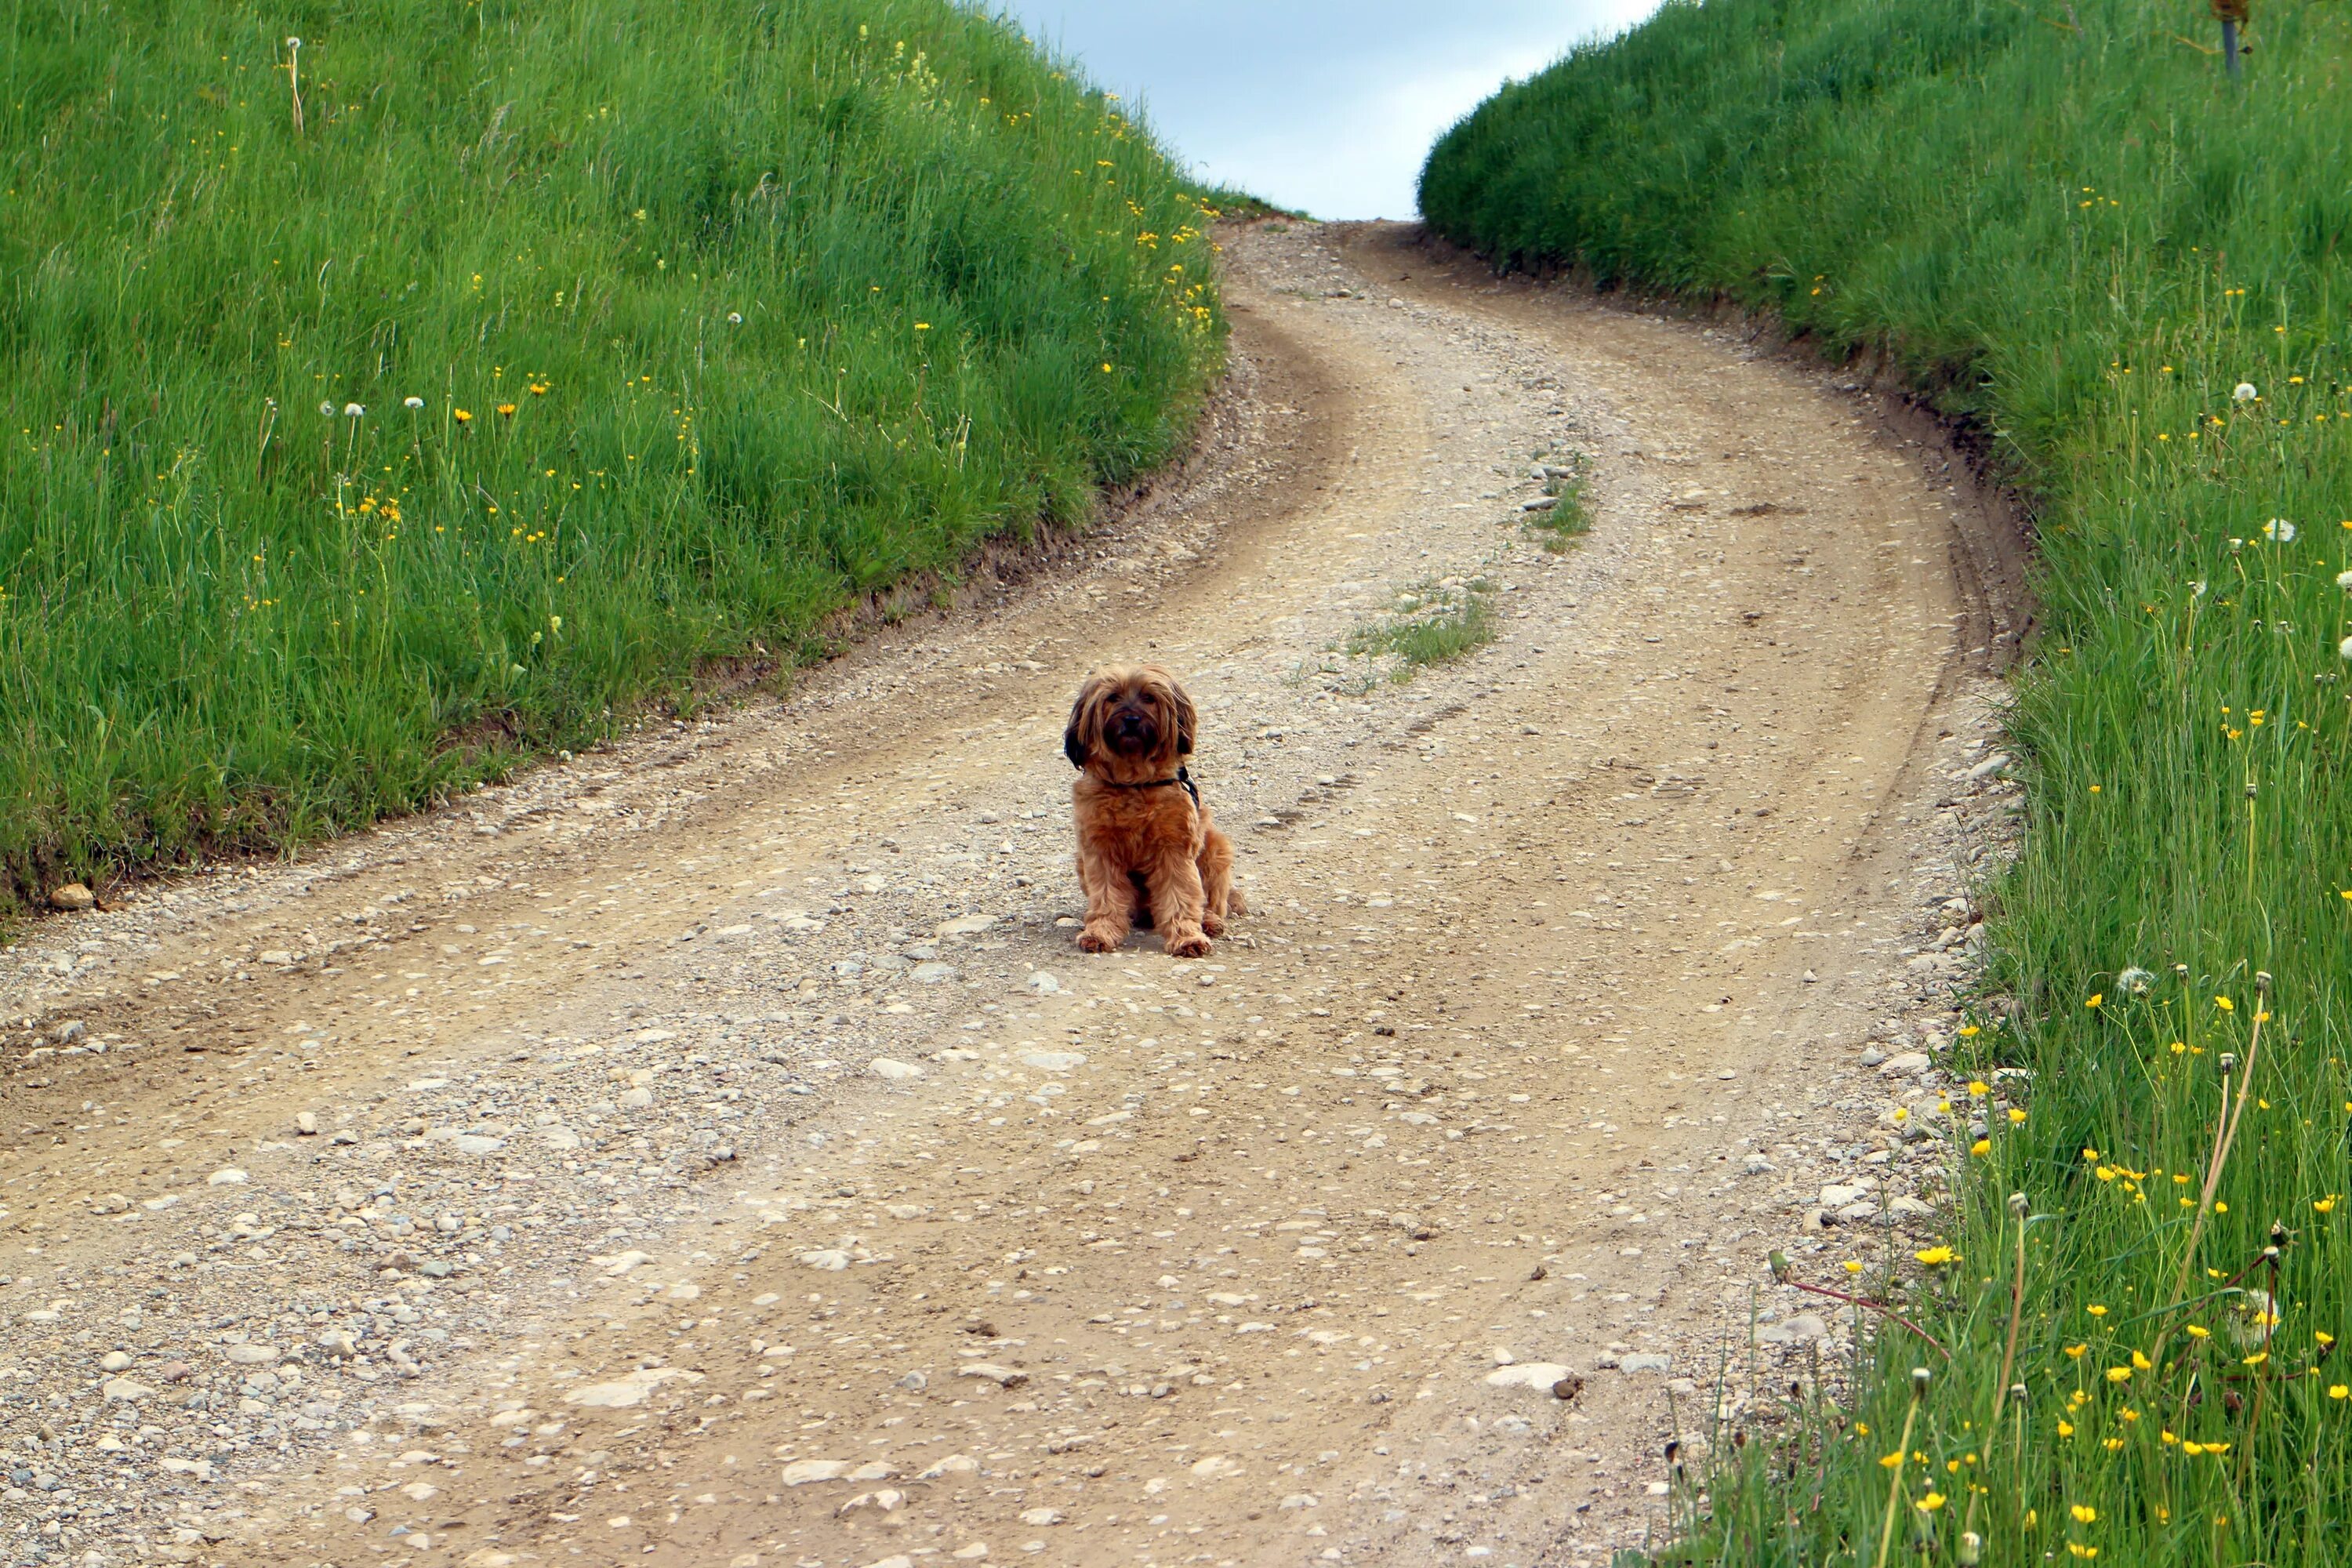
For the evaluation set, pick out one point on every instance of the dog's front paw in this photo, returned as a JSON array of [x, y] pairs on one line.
[[1100, 939], [1187, 944], [1211, 926]]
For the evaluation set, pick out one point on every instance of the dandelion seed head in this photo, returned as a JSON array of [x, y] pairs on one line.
[[2279, 530], [2245, 392], [353, 411], [734, 318], [328, 409], [2134, 981], [412, 403]]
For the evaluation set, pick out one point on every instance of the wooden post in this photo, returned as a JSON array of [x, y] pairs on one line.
[[2233, 15]]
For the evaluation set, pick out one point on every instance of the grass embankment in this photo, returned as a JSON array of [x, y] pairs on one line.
[[545, 357], [2063, 223]]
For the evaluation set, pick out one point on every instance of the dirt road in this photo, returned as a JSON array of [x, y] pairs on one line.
[[713, 1150]]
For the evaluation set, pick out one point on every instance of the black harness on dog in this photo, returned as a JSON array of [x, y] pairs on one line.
[[1182, 777]]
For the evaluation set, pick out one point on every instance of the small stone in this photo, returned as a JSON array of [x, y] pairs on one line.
[[73, 897], [125, 1390], [1041, 983], [931, 973], [832, 1259], [1872, 1056], [628, 1391], [916, 1381], [115, 1360], [802, 1472], [339, 1343], [1041, 1515], [1904, 1062], [954, 1464], [964, 925], [230, 1177], [1794, 1331], [251, 1355], [637, 1099], [1541, 1375], [305, 1122], [1641, 1362], [989, 1372], [1755, 1166], [176, 1372], [892, 1070], [971, 1552]]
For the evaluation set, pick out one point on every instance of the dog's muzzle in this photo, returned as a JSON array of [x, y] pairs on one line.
[[1131, 733]]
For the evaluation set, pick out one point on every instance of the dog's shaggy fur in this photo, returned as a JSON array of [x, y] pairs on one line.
[[1146, 852]]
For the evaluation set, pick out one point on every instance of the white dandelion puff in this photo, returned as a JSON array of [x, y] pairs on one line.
[[2134, 981], [353, 411], [2345, 647], [412, 403], [2279, 530], [328, 409], [2245, 392], [2197, 589], [2256, 1317], [734, 318], [2344, 581]]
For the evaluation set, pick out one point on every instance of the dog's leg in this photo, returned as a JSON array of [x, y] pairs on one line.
[[1176, 905], [1110, 903], [1216, 880]]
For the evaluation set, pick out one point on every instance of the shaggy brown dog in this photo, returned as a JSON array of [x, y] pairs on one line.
[[1146, 850]]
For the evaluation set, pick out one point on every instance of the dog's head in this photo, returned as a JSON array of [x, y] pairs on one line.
[[1130, 719]]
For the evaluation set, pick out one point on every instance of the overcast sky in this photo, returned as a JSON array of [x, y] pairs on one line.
[[1325, 105]]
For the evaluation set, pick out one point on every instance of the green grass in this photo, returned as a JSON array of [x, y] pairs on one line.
[[1433, 622], [1567, 519], [718, 318], [2072, 232]]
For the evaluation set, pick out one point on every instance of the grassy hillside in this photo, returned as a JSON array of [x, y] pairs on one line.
[[543, 356], [2133, 278]]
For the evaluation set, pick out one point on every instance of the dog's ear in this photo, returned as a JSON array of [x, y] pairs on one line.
[[1084, 733], [1187, 719]]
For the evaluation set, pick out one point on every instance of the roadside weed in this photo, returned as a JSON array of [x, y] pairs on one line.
[[1432, 622]]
